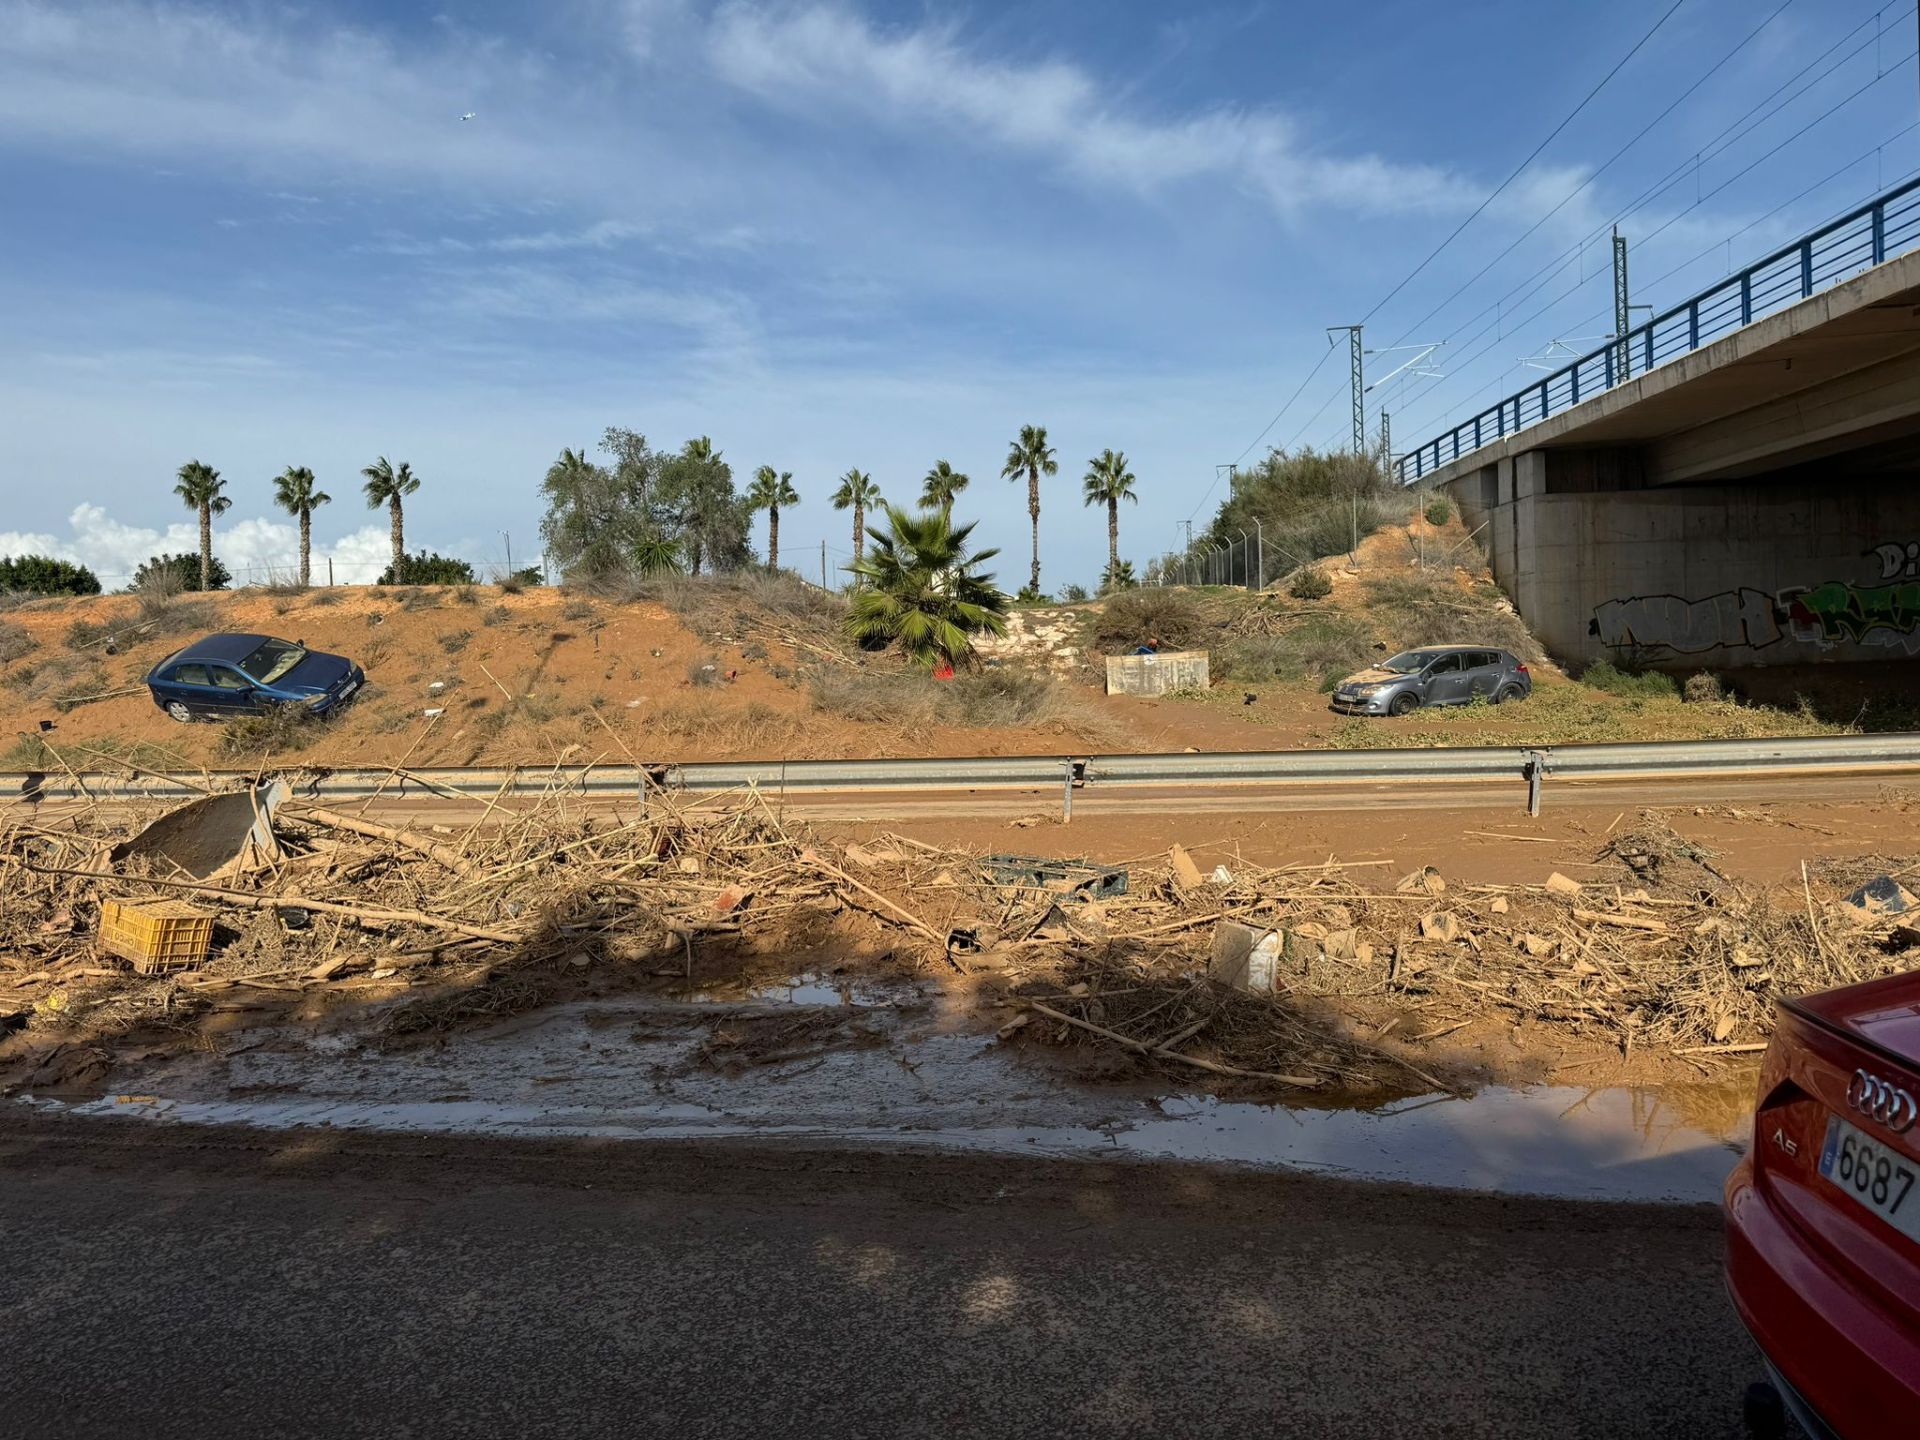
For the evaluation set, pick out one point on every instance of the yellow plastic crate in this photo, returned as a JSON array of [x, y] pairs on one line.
[[156, 935]]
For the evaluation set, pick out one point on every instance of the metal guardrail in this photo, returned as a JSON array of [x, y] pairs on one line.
[[799, 778], [1882, 228]]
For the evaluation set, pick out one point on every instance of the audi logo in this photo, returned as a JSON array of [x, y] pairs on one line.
[[1878, 1100]]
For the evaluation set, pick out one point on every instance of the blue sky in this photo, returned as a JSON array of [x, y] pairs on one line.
[[835, 234]]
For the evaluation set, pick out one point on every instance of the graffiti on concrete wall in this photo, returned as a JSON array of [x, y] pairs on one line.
[[1899, 560], [1838, 613], [1747, 618], [1834, 612]]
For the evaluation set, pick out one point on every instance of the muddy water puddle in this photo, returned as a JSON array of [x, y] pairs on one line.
[[814, 1060]]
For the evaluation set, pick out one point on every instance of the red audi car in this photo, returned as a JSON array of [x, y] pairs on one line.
[[1823, 1215]]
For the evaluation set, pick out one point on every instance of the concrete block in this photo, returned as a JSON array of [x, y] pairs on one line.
[[1157, 674]]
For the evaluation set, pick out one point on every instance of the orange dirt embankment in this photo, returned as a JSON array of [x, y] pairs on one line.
[[524, 678]]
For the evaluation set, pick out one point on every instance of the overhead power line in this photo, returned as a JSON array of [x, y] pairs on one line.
[[1533, 155], [1735, 131], [1596, 173], [1650, 285]]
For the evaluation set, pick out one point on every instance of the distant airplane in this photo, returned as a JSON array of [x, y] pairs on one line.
[[467, 116]]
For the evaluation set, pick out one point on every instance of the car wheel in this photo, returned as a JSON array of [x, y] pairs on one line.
[[1508, 692], [1405, 703], [179, 711]]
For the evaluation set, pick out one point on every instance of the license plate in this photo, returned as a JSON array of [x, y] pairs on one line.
[[1879, 1178], [349, 688]]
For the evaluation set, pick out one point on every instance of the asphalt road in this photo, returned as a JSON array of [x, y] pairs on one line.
[[161, 1282]]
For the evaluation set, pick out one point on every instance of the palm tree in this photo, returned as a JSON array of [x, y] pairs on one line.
[[921, 589], [1108, 482], [858, 493], [769, 492], [1032, 457], [388, 485], [199, 486], [942, 485], [293, 492]]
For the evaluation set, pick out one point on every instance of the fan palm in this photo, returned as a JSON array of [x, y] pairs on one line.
[[768, 492], [388, 485], [294, 492], [942, 485], [859, 494], [922, 590], [199, 487], [1032, 457], [1108, 482]]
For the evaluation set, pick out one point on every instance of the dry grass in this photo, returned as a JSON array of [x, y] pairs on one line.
[[709, 728], [277, 730], [15, 642], [1002, 697]]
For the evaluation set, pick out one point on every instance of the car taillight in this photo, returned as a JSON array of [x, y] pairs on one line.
[[1521, 670]]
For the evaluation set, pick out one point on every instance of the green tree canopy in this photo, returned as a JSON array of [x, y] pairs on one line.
[[921, 589], [180, 573], [296, 492], [859, 494], [768, 492], [427, 568], [44, 575], [703, 514], [390, 485], [942, 486], [200, 488], [599, 517], [1031, 456], [1108, 481]]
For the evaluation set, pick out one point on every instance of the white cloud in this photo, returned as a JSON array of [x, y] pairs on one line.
[[253, 549], [300, 101], [824, 58]]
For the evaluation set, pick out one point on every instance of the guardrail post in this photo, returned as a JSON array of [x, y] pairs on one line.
[[1806, 269], [1536, 770], [1693, 326], [1648, 363], [1879, 233], [1066, 796], [1746, 298]]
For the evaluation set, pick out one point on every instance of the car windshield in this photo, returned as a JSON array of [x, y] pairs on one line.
[[1410, 661], [271, 661]]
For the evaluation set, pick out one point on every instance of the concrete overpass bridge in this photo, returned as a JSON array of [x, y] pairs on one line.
[[1728, 488]]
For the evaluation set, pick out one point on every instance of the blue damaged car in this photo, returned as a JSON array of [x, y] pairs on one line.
[[221, 676]]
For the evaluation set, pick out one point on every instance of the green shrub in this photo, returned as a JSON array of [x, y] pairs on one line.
[[1073, 594], [1439, 510], [1310, 583], [1629, 684], [427, 568], [179, 574], [44, 575]]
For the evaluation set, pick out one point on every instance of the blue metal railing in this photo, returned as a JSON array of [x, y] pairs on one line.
[[1886, 226]]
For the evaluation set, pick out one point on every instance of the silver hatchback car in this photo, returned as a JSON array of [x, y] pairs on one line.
[[1434, 675]]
